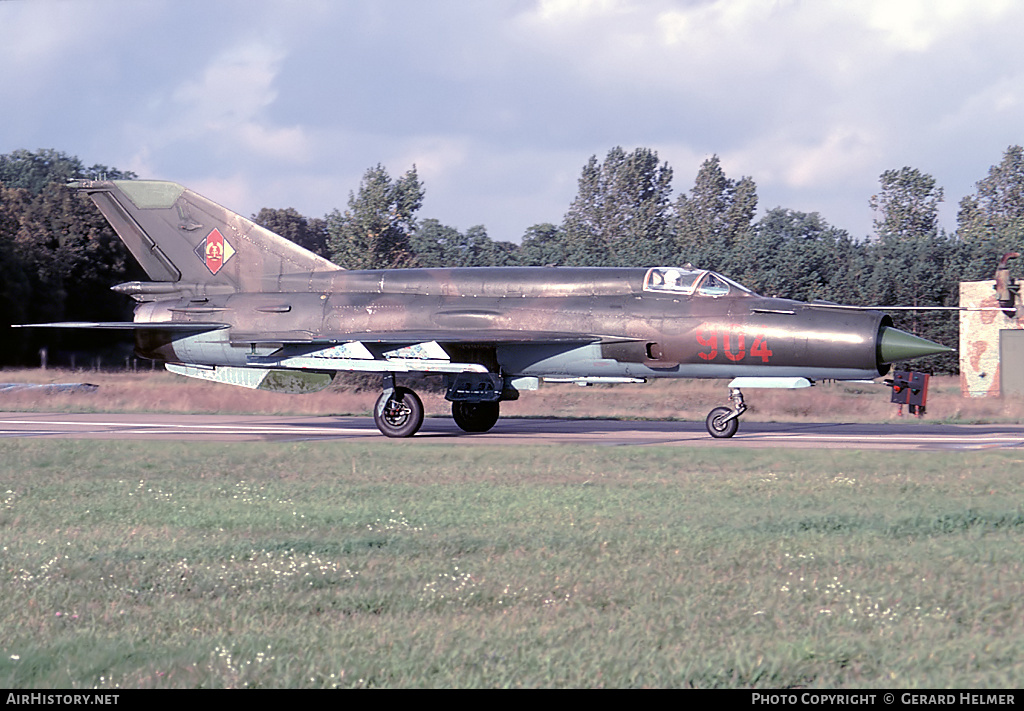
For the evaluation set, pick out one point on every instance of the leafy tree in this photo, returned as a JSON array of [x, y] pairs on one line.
[[798, 255], [303, 231], [991, 222], [374, 232], [433, 244], [475, 250], [67, 254], [1000, 196], [919, 271], [438, 245], [715, 217], [504, 254], [912, 262], [71, 250], [909, 254], [907, 205], [15, 286], [620, 216], [34, 171], [543, 245]]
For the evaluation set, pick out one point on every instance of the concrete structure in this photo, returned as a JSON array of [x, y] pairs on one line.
[[983, 334]]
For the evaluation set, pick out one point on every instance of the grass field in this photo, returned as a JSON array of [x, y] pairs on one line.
[[402, 565]]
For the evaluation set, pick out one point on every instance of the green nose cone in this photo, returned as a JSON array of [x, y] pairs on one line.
[[896, 345]]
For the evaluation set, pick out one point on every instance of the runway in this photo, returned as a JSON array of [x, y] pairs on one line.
[[509, 431]]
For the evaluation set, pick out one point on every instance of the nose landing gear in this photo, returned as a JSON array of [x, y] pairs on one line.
[[723, 422]]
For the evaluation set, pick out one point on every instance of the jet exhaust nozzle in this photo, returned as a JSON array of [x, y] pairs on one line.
[[895, 345]]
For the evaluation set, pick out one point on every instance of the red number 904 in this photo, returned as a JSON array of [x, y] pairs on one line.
[[732, 340]]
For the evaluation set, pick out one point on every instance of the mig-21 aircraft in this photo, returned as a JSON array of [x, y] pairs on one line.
[[232, 302]]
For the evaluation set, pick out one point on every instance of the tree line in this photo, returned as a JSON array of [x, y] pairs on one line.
[[58, 256]]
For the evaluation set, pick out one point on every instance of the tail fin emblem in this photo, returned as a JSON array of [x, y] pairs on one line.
[[214, 251]]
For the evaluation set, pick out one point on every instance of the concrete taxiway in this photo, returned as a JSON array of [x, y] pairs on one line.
[[510, 431]]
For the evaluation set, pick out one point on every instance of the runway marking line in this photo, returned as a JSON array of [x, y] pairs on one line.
[[284, 429]]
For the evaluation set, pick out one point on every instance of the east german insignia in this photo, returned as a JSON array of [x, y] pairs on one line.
[[214, 251]]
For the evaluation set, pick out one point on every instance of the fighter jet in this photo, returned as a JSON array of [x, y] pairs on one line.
[[232, 302]]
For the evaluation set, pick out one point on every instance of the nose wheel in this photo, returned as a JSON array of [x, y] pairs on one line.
[[723, 422]]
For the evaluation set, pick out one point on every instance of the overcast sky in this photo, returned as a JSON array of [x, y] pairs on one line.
[[499, 103]]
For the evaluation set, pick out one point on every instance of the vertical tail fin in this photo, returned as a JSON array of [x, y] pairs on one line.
[[180, 236]]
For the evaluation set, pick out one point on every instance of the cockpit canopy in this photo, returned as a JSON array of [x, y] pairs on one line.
[[689, 281]]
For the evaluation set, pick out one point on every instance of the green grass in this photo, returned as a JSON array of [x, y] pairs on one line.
[[397, 564]]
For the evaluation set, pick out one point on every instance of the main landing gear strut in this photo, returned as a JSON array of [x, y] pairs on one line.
[[399, 411], [475, 404], [723, 422]]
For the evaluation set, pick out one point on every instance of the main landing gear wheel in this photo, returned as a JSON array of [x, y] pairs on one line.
[[475, 416], [720, 427], [398, 413]]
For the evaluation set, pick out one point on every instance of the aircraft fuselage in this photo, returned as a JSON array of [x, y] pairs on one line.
[[645, 333]]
